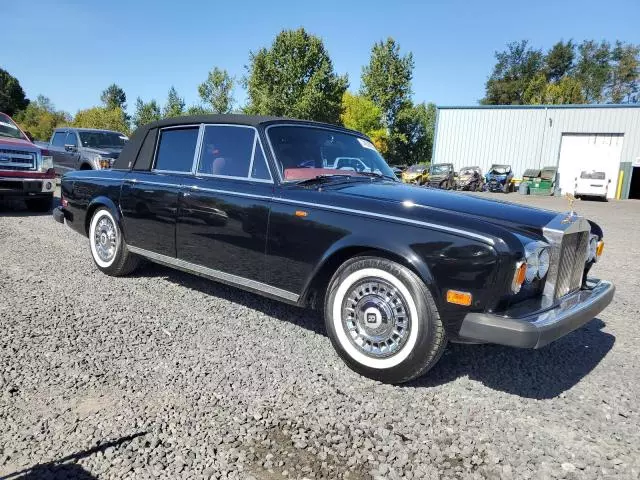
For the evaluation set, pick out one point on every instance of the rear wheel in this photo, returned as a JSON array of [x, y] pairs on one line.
[[382, 320], [40, 204], [108, 249]]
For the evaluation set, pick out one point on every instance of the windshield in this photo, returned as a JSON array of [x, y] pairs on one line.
[[304, 152], [102, 139], [8, 128], [439, 169], [593, 175], [415, 169], [499, 169], [467, 171]]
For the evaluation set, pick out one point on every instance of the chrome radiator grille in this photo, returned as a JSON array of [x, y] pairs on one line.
[[17, 160], [568, 238], [573, 252]]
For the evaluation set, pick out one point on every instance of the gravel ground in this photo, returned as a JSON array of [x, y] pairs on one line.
[[163, 374]]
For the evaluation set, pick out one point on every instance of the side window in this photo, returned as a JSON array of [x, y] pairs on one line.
[[71, 139], [176, 149], [59, 138], [226, 151], [259, 169]]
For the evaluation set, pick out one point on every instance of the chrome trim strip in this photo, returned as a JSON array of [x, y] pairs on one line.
[[253, 154], [224, 277], [229, 192], [433, 226], [198, 150]]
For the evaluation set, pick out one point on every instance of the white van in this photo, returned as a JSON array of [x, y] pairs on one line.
[[592, 184]]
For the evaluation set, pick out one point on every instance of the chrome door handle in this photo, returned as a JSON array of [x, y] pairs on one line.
[[131, 180]]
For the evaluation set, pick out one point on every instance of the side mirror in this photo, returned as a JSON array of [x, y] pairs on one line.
[[70, 148]]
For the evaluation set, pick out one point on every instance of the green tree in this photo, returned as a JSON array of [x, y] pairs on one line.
[[146, 112], [174, 106], [217, 91], [514, 70], [559, 61], [412, 140], [295, 78], [102, 117], [40, 118], [386, 80], [625, 73], [567, 90], [114, 97], [361, 114], [593, 69], [12, 97]]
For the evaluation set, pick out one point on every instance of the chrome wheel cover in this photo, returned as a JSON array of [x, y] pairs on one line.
[[375, 317], [105, 239]]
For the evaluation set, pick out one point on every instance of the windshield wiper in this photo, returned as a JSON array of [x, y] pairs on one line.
[[378, 175], [324, 178]]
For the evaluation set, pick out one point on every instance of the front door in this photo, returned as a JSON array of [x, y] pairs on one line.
[[224, 208], [149, 199]]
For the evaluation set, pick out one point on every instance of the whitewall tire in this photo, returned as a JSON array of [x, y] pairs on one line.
[[382, 320], [108, 248]]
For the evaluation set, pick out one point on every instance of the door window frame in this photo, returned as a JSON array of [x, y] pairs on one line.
[[195, 154], [256, 141]]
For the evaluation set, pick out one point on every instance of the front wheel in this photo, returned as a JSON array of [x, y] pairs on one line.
[[382, 320], [108, 249]]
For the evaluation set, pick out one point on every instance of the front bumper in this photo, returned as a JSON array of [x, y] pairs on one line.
[[25, 187], [539, 328]]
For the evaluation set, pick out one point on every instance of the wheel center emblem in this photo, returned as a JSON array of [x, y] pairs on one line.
[[372, 317], [103, 239]]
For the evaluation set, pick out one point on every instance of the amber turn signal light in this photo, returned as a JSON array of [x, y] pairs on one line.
[[599, 248], [519, 276], [459, 298]]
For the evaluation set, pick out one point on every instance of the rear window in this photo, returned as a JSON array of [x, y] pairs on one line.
[[176, 149], [593, 175]]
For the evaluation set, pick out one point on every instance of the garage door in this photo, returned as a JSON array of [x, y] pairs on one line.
[[580, 152]]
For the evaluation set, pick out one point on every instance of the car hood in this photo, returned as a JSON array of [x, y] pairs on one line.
[[457, 207], [16, 142], [112, 152]]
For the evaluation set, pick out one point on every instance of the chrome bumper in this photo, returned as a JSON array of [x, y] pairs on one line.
[[539, 328]]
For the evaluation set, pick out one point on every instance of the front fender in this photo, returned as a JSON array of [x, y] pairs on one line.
[[354, 244]]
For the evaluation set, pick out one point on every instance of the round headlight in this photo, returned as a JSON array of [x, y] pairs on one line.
[[532, 267], [544, 260], [537, 258], [593, 247]]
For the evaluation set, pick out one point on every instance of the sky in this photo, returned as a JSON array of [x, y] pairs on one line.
[[71, 51]]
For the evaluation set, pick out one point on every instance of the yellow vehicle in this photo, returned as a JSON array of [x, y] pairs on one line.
[[418, 174]]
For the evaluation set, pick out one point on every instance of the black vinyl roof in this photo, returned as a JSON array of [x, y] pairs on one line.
[[238, 119], [128, 155]]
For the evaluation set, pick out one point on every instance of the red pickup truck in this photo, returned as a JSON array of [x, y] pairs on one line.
[[26, 170]]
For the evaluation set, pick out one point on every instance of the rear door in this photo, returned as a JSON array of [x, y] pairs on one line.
[[149, 196]]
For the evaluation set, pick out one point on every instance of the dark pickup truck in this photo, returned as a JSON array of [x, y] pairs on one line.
[[84, 148]]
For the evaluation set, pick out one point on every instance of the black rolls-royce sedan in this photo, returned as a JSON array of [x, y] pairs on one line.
[[311, 214]]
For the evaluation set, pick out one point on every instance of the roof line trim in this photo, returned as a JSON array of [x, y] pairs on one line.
[[537, 107]]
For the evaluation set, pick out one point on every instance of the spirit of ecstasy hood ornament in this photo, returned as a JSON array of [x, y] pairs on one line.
[[571, 213]]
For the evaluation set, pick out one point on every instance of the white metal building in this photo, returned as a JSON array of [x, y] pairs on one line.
[[571, 137]]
